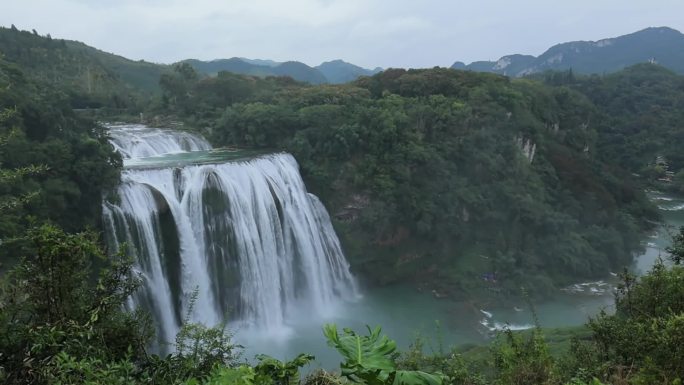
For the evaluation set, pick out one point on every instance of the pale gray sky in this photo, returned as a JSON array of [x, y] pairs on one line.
[[386, 33]]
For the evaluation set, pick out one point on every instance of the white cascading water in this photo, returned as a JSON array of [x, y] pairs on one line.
[[245, 236], [138, 141]]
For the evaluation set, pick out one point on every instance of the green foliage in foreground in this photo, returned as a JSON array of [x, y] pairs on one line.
[[368, 359], [52, 314], [268, 371], [282, 373], [646, 335], [62, 324]]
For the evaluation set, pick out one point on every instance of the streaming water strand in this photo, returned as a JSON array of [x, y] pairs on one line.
[[246, 235]]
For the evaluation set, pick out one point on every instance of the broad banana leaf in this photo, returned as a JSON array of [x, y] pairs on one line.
[[415, 377], [368, 359]]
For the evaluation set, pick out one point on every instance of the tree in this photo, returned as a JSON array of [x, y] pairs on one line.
[[676, 250], [523, 360], [8, 176], [51, 308], [643, 342], [177, 86]]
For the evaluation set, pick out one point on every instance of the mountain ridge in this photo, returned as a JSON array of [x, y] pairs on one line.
[[335, 71], [92, 71], [340, 71], [662, 45]]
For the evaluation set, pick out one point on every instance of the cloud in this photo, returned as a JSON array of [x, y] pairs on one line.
[[417, 33], [400, 26]]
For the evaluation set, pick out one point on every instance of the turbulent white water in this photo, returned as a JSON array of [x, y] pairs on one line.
[[245, 236], [495, 326], [139, 141]]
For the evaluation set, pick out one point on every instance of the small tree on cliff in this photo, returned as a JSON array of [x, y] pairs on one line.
[[676, 250]]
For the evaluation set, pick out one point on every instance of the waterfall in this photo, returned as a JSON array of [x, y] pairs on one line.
[[138, 141], [244, 235]]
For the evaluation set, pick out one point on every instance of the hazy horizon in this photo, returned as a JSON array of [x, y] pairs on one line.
[[367, 33]]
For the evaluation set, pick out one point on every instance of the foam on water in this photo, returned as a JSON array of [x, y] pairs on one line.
[[672, 208], [492, 325]]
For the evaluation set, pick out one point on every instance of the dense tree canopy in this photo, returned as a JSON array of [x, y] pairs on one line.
[[40, 129], [640, 113], [474, 173]]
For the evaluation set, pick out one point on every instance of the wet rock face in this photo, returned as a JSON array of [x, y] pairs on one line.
[[355, 205], [527, 147]]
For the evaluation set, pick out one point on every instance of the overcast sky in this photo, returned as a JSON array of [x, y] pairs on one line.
[[385, 33]]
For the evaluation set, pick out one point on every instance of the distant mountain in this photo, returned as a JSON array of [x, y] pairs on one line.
[[336, 71], [300, 71], [261, 62], [339, 71], [96, 75], [235, 65], [296, 70], [663, 45]]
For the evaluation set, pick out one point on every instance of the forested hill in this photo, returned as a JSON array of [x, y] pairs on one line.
[[339, 71], [643, 109], [90, 77], [662, 45], [93, 78], [38, 127], [296, 70], [439, 175]]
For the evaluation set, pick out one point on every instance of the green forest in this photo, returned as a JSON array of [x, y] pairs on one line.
[[442, 175], [435, 177]]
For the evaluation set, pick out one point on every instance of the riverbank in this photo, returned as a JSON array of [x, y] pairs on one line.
[[406, 313]]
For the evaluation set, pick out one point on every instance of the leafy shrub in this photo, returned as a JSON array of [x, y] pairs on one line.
[[282, 373], [452, 364], [322, 377], [50, 307], [268, 371], [643, 341], [523, 360]]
